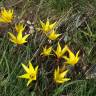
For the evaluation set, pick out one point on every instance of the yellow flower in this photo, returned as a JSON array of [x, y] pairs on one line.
[[47, 27], [72, 59], [46, 51], [60, 52], [59, 77], [31, 73], [18, 39], [19, 27], [53, 35], [6, 16]]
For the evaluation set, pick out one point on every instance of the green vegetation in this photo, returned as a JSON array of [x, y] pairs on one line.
[[76, 21]]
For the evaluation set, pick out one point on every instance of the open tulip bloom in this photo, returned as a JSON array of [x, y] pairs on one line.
[[47, 27], [60, 52], [31, 73], [59, 77], [6, 16], [19, 38], [72, 59], [53, 35], [46, 51]]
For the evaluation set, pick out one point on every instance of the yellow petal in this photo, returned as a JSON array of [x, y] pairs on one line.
[[2, 20], [42, 24], [77, 53], [31, 67], [66, 58], [26, 76], [36, 69], [57, 35], [25, 68], [71, 54], [63, 80], [30, 80], [59, 81], [12, 36], [66, 79], [19, 36], [21, 42], [64, 49], [47, 23], [52, 25], [62, 75], [56, 72], [25, 37], [49, 50], [58, 51], [14, 41], [59, 48]]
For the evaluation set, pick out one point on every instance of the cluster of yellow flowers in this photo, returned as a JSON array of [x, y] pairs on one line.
[[49, 30], [72, 59], [6, 16]]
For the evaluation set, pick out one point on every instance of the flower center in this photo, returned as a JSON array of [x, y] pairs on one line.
[[31, 76]]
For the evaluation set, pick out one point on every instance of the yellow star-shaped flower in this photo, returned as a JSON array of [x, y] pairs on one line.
[[19, 38], [60, 52], [31, 73], [6, 16], [47, 27], [53, 35], [46, 51], [72, 59], [59, 77]]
